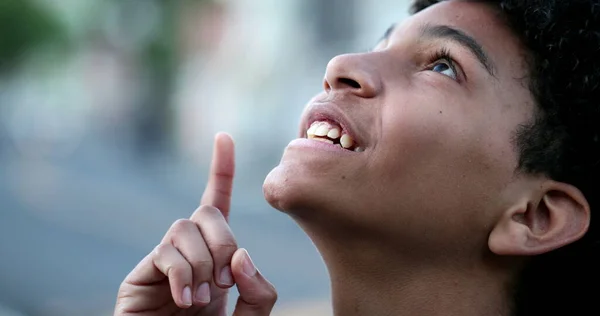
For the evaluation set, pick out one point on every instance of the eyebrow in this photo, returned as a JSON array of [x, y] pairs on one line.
[[457, 36]]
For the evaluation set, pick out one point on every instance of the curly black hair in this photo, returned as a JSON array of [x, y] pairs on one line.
[[562, 38]]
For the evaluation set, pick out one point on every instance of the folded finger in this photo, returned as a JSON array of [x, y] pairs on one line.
[[186, 238], [220, 241], [168, 260]]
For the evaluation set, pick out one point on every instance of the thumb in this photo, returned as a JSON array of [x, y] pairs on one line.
[[257, 295]]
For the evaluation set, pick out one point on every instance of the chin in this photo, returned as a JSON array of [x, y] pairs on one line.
[[297, 189], [311, 185], [307, 194], [282, 189]]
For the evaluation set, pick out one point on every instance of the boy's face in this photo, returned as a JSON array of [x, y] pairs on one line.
[[434, 107]]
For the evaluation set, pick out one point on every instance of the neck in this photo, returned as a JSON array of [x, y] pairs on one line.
[[372, 279], [403, 290]]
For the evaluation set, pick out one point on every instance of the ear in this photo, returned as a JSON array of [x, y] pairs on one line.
[[558, 216]]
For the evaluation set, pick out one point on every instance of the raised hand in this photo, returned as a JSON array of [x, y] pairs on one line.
[[198, 260]]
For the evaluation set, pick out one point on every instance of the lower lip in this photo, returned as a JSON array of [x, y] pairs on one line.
[[318, 145]]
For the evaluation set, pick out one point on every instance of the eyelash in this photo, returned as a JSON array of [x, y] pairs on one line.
[[443, 54]]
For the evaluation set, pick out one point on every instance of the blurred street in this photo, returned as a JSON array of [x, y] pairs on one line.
[[66, 251], [108, 111]]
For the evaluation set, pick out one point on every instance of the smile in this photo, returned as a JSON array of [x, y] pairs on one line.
[[332, 133]]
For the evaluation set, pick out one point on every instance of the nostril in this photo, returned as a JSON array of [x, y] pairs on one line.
[[349, 82]]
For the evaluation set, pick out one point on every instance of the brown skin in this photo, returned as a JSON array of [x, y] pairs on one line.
[[415, 224], [432, 218], [196, 251]]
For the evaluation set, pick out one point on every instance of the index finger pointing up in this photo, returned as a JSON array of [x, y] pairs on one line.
[[220, 180]]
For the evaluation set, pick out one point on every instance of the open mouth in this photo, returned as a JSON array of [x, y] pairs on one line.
[[332, 133]]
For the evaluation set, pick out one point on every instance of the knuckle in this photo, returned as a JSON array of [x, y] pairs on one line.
[[266, 296], [178, 269], [266, 300], [202, 264], [271, 296], [224, 192], [224, 247], [181, 226], [207, 211], [226, 175], [161, 250]]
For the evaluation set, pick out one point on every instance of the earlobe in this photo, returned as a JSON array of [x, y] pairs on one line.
[[560, 215]]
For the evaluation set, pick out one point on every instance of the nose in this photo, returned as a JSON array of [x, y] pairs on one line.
[[352, 73]]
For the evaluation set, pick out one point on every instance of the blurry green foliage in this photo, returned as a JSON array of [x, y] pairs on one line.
[[161, 51], [26, 25], [159, 58]]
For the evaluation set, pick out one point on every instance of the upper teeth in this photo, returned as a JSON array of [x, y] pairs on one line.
[[320, 130]]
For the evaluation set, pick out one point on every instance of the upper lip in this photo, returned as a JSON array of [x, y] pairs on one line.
[[330, 111]]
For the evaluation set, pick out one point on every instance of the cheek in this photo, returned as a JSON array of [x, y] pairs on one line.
[[422, 131], [431, 114], [438, 165], [441, 155]]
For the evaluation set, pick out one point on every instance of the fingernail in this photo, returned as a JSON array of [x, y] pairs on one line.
[[203, 293], [248, 266], [226, 278], [187, 296]]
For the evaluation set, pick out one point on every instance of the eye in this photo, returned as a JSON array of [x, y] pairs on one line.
[[445, 68]]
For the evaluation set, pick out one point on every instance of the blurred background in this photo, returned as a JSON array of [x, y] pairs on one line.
[[107, 114]]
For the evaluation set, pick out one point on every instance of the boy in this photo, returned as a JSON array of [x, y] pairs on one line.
[[449, 171]]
